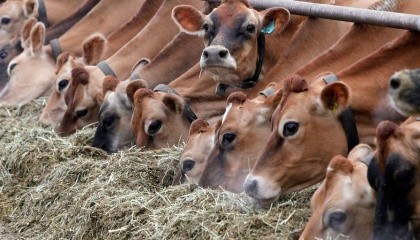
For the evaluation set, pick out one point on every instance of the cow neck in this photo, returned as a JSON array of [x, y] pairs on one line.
[[42, 13], [188, 113], [346, 119], [249, 82]]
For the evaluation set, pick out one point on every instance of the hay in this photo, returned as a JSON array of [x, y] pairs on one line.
[[61, 188]]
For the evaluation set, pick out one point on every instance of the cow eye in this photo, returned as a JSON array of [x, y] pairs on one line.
[[3, 55], [337, 218], [228, 138], [5, 21], [290, 128], [154, 127], [188, 165], [108, 121], [250, 28], [81, 113], [206, 27], [62, 84], [11, 67]]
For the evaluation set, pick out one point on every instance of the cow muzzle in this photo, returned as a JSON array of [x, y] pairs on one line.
[[261, 189], [217, 56]]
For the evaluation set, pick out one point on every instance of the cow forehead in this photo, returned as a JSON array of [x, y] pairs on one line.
[[152, 106], [231, 15]]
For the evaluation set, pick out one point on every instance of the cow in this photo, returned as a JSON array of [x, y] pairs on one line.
[[344, 203], [70, 41], [144, 43], [93, 49], [114, 131], [196, 151], [167, 65], [242, 134], [13, 14], [394, 173], [404, 90], [82, 100], [293, 157]]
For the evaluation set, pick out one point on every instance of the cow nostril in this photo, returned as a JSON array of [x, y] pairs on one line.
[[395, 83], [250, 187], [223, 53], [205, 54]]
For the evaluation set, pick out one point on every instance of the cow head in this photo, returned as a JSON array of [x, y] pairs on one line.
[[344, 203], [239, 140], [305, 135], [404, 89], [395, 175], [83, 101], [93, 49], [231, 32], [158, 119], [114, 130], [196, 151], [13, 15], [31, 74]]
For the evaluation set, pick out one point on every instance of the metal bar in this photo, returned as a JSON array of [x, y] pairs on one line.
[[348, 14]]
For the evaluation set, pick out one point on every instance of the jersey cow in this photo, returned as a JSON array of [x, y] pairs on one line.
[[343, 205], [93, 49], [395, 175], [294, 158], [196, 152], [239, 140]]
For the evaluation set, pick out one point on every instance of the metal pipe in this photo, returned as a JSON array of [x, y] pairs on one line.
[[348, 14]]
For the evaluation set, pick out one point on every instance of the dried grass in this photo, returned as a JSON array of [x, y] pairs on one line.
[[61, 188]]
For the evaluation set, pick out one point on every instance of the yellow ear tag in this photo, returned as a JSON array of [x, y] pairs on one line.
[[334, 106], [177, 109]]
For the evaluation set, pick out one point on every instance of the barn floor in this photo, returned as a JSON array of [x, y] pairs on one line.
[[61, 188]]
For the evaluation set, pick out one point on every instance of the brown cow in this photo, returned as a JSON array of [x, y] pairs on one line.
[[196, 151], [344, 204], [404, 89], [93, 48], [82, 101], [168, 64], [71, 40], [395, 175], [294, 158], [14, 13], [239, 140]]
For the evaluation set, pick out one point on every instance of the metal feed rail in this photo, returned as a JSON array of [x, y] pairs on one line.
[[348, 14]]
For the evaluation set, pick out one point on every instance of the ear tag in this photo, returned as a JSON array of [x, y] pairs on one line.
[[177, 109], [334, 106], [269, 29]]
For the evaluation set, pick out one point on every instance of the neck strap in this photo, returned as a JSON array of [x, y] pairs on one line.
[[188, 113], [42, 13], [249, 82], [346, 119]]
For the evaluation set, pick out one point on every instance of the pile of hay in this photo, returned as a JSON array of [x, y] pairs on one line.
[[52, 187]]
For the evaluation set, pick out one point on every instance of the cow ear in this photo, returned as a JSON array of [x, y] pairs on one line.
[[174, 103], [132, 88], [109, 84], [335, 97], [37, 38], [30, 7], [26, 32], [94, 48], [197, 126], [62, 59], [360, 152], [237, 97], [188, 19], [99, 98], [275, 18]]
